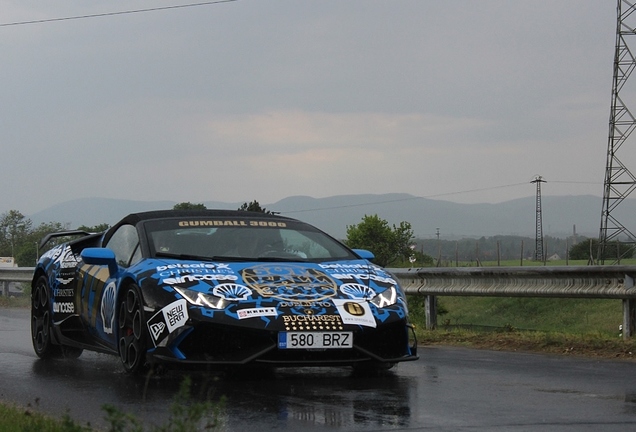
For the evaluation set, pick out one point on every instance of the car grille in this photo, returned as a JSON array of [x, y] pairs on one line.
[[221, 344], [209, 343]]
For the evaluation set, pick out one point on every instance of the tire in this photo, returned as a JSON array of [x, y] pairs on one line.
[[131, 331], [41, 326]]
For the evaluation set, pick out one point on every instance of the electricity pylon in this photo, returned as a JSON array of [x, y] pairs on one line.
[[538, 243], [619, 181]]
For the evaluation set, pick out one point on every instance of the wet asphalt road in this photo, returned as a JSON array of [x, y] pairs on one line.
[[448, 389]]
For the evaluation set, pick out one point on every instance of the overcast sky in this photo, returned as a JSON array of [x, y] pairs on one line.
[[464, 100]]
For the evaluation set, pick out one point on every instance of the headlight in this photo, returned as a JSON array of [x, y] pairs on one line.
[[198, 298], [386, 298]]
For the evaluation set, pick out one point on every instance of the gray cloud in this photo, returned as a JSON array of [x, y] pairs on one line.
[[266, 99]]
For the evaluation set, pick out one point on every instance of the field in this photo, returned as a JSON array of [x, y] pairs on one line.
[[586, 327]]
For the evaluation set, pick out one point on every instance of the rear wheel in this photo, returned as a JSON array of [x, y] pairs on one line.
[[132, 333], [41, 327]]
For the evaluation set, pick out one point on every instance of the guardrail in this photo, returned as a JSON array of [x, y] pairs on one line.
[[14, 274], [602, 282]]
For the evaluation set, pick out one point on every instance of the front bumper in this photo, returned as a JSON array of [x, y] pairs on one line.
[[213, 344]]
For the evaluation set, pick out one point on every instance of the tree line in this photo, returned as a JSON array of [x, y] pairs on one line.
[[507, 248], [392, 245]]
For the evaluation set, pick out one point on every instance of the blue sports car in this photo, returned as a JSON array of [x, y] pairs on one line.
[[218, 288]]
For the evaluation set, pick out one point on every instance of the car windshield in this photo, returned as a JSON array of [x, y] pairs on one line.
[[242, 239]]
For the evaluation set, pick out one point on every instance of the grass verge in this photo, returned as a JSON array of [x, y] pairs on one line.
[[589, 345], [186, 415]]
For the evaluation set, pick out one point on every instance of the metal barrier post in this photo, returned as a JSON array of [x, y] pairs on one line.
[[629, 318], [430, 304], [5, 288]]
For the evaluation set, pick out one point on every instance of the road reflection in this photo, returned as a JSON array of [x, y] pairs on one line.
[[292, 398], [302, 398]]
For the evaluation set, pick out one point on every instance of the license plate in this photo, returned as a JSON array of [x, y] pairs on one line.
[[315, 340]]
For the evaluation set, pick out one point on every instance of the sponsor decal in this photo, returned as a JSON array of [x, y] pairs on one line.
[[256, 312], [230, 291], [345, 266], [65, 292], [64, 281], [357, 291], [63, 307], [176, 314], [291, 283], [219, 267], [364, 276], [312, 322], [295, 304], [183, 273], [355, 312], [167, 320], [233, 223], [156, 329], [108, 308], [67, 259], [198, 278]]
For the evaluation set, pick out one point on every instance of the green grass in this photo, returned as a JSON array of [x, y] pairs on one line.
[[575, 316], [15, 302], [14, 419], [586, 327], [186, 415]]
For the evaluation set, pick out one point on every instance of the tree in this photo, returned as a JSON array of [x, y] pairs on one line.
[[587, 248], [94, 229], [388, 244], [254, 206], [189, 206], [14, 227], [28, 251]]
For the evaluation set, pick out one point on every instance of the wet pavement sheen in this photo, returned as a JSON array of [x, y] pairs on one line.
[[448, 389]]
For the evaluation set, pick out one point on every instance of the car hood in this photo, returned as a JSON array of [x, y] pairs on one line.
[[290, 282]]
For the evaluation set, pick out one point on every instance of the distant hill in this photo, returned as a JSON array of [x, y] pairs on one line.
[[334, 214]]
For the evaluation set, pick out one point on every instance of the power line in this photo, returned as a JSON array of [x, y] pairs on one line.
[[429, 196], [105, 14], [405, 199]]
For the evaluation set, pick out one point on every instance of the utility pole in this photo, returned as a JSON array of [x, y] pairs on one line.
[[619, 181], [538, 243], [439, 250]]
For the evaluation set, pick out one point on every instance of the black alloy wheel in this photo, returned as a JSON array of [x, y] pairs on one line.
[[42, 325], [132, 333], [41, 331]]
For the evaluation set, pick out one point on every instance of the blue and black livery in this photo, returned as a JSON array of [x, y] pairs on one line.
[[218, 288]]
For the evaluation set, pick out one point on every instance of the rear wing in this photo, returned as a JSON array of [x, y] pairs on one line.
[[73, 233]]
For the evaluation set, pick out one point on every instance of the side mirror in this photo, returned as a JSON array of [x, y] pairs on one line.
[[364, 254], [102, 257]]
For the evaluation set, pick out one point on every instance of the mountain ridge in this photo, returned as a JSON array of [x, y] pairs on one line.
[[561, 215]]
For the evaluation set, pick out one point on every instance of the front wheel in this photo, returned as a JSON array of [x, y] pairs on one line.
[[132, 333]]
